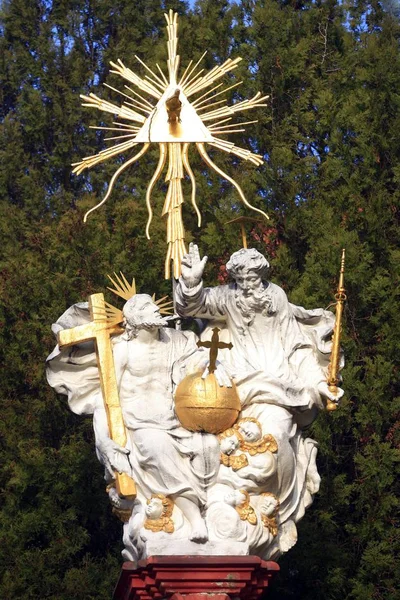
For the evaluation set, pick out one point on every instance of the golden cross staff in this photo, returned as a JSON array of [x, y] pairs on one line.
[[163, 114], [100, 330], [334, 365], [242, 220], [105, 322], [214, 346]]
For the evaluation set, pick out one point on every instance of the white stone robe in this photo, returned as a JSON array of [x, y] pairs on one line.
[[165, 458], [277, 362]]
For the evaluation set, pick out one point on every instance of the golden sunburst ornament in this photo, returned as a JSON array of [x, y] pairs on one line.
[[122, 288], [164, 115]]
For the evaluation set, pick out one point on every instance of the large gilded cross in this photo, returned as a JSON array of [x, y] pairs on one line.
[[100, 331], [214, 346]]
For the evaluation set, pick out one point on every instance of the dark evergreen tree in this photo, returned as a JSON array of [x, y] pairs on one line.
[[330, 138]]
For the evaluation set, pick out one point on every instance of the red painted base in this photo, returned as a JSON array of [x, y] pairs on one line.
[[195, 578]]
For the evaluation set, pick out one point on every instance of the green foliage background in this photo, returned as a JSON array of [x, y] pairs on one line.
[[331, 140]]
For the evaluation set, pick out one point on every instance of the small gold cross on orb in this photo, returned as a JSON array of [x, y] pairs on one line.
[[214, 344]]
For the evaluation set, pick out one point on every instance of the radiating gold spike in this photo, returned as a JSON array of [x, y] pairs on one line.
[[210, 163], [195, 78], [210, 127], [93, 101], [162, 74], [154, 179], [138, 107], [186, 164], [164, 305], [183, 81], [208, 93], [129, 75], [131, 129], [90, 161], [117, 91], [114, 178], [120, 137], [219, 93], [207, 107], [99, 314], [232, 149], [161, 86], [126, 125], [139, 96], [216, 132], [156, 77], [123, 146], [114, 315], [122, 288], [185, 71], [234, 108], [212, 76], [216, 126]]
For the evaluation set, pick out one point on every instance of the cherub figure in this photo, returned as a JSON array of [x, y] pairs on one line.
[[159, 514], [247, 457], [230, 441], [269, 507], [253, 441], [240, 500]]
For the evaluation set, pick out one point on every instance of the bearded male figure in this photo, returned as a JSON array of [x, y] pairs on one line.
[[161, 456], [278, 361]]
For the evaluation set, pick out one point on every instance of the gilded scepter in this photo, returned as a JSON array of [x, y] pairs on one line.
[[334, 365]]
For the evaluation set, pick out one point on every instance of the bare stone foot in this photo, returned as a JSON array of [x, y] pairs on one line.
[[199, 532]]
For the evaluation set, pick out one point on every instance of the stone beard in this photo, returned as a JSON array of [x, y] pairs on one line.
[[237, 493]]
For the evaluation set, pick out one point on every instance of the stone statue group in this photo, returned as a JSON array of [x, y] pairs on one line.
[[241, 491]]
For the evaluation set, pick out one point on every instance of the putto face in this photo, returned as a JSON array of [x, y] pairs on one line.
[[250, 431], [229, 444], [154, 508], [268, 506]]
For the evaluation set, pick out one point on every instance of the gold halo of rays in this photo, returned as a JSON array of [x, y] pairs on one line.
[[122, 288], [142, 118]]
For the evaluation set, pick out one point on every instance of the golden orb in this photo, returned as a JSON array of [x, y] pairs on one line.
[[203, 405]]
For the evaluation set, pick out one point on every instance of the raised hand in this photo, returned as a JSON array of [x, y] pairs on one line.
[[192, 266]]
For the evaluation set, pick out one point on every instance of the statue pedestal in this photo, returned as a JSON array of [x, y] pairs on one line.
[[190, 577]]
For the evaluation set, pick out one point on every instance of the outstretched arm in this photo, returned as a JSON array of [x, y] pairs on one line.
[[192, 299]]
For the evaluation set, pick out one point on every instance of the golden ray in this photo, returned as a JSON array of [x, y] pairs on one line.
[[154, 179], [114, 178], [211, 164], [196, 104], [184, 78], [210, 105], [258, 100], [215, 73], [217, 127], [129, 75], [156, 77], [114, 315], [162, 74], [118, 91], [120, 137], [123, 289], [131, 129], [90, 161], [164, 305], [139, 96], [186, 164], [93, 101]]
